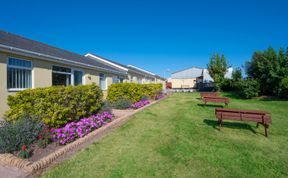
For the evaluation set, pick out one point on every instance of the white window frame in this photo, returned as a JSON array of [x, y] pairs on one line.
[[19, 67], [66, 73], [83, 76], [71, 74], [106, 84]]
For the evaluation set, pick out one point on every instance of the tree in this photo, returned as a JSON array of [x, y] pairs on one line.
[[217, 68], [237, 75], [268, 68]]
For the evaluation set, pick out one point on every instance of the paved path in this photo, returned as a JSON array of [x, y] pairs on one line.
[[11, 172]]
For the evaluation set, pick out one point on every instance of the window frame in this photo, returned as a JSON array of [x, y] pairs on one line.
[[72, 77], [106, 84], [19, 67]]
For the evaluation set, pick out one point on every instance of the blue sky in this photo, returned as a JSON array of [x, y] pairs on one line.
[[154, 35]]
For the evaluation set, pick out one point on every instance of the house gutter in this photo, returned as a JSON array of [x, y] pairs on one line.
[[46, 57]]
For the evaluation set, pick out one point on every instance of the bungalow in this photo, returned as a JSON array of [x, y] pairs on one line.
[[134, 74], [25, 63]]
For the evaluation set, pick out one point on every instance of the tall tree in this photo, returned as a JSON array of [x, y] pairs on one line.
[[237, 75], [217, 68], [268, 68]]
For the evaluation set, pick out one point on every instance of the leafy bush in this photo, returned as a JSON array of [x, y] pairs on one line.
[[145, 97], [56, 106], [227, 85], [14, 135], [122, 103], [44, 138], [284, 87], [24, 152], [132, 91], [106, 107], [151, 90], [248, 88]]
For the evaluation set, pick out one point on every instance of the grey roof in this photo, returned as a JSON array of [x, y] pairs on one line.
[[132, 69], [122, 65], [192, 72], [195, 72], [20, 42]]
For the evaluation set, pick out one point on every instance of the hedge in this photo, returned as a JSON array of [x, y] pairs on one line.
[[132, 91], [56, 106]]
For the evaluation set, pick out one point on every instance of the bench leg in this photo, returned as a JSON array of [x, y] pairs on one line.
[[257, 125], [266, 130], [220, 123]]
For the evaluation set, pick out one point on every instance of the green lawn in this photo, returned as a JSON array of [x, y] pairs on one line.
[[177, 138]]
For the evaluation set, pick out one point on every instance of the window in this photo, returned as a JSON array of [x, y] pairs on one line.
[[78, 77], [61, 76], [117, 79], [103, 84], [19, 74], [139, 80]]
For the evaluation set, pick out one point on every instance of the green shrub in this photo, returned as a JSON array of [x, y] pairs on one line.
[[106, 107], [56, 106], [227, 85], [122, 103], [15, 135], [151, 90], [145, 97], [284, 88], [132, 91], [248, 88]]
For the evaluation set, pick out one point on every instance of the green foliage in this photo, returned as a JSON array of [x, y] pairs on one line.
[[24, 154], [56, 106], [227, 85], [217, 68], [269, 68], [284, 87], [132, 91], [151, 90], [106, 107], [122, 103], [248, 88], [14, 135], [232, 84], [237, 75]]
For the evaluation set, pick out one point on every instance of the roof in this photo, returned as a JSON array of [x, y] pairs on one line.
[[186, 69], [107, 61], [192, 72], [19, 42], [121, 66], [195, 72], [131, 67]]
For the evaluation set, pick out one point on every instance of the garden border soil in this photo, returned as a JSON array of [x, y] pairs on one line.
[[32, 167]]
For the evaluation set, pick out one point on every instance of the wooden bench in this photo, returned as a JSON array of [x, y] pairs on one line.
[[260, 117], [224, 100], [209, 94]]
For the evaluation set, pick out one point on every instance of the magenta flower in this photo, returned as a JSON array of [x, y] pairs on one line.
[[73, 130]]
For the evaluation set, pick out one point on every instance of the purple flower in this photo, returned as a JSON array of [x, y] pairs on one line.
[[140, 104], [73, 130]]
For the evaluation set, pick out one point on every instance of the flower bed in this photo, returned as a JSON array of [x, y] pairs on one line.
[[74, 130], [159, 96], [140, 104]]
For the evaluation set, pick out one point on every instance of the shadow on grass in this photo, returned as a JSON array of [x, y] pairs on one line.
[[211, 105], [232, 125], [272, 98]]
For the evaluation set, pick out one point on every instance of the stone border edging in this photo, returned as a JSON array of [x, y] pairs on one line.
[[29, 166]]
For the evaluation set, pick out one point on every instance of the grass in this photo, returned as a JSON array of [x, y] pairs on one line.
[[178, 138]]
